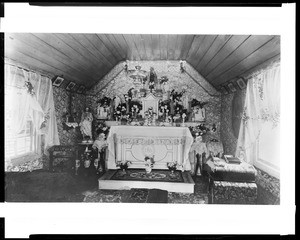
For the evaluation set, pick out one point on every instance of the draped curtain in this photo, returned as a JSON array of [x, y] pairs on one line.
[[38, 107], [262, 104]]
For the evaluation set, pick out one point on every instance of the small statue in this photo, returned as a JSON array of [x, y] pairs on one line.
[[86, 123], [152, 79]]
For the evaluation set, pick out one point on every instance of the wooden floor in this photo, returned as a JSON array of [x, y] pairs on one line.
[[187, 186]]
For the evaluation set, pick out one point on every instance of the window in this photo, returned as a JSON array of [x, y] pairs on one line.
[[20, 144], [268, 150]]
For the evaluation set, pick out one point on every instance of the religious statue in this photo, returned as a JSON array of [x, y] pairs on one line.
[[117, 101], [86, 123], [185, 100], [152, 79], [166, 89]]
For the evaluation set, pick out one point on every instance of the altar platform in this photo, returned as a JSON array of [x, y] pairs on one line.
[[180, 182]]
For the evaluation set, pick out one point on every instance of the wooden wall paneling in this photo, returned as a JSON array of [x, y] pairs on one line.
[[110, 46], [114, 42], [205, 46], [137, 40], [187, 43], [218, 43], [249, 46], [45, 55], [234, 42], [163, 46], [171, 44], [178, 46], [192, 56], [123, 44], [147, 45], [155, 46], [267, 51], [133, 49]]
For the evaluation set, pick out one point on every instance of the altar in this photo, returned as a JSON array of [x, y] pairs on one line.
[[133, 143]]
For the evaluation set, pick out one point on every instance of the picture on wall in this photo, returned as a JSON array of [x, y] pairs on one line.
[[241, 83], [80, 89], [58, 81], [70, 86], [231, 87], [224, 90]]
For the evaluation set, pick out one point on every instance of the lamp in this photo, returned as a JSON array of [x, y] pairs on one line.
[[182, 68]]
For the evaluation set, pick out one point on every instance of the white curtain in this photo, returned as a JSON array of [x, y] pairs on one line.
[[262, 103], [38, 107]]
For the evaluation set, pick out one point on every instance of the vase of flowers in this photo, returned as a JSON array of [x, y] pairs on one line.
[[123, 165], [149, 163], [172, 166]]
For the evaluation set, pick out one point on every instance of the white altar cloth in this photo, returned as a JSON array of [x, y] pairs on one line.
[[133, 143]]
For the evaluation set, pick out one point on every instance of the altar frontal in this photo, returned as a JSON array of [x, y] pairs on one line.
[[134, 143]]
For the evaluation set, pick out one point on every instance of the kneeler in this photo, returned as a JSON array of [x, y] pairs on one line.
[[157, 196]]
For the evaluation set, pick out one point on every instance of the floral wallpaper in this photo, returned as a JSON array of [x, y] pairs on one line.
[[61, 102], [117, 82]]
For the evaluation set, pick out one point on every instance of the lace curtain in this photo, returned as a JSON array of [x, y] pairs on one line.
[[34, 102], [262, 104]]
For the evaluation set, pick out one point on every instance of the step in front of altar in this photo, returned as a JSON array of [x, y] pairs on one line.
[[112, 180]]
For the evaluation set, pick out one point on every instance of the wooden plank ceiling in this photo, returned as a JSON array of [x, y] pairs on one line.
[[86, 58]]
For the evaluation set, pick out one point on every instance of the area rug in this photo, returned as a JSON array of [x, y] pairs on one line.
[[154, 175]]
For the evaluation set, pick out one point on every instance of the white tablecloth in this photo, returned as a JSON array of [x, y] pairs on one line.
[[133, 143]]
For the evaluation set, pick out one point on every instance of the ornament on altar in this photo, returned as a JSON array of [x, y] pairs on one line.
[[149, 163], [117, 101], [199, 113], [103, 109], [123, 165], [135, 108], [152, 79], [164, 81]]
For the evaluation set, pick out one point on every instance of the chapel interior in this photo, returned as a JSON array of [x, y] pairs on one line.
[[142, 118]]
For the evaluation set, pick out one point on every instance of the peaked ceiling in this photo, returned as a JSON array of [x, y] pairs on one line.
[[86, 58]]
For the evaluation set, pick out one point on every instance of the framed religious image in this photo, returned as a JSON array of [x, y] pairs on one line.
[[57, 81], [80, 89], [231, 87], [224, 90], [241, 83], [70, 86]]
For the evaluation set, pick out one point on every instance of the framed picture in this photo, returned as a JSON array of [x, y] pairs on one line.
[[224, 90], [57, 81], [70, 86], [80, 89], [241, 83], [231, 87]]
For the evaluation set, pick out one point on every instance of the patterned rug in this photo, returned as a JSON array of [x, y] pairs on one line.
[[154, 175], [136, 195]]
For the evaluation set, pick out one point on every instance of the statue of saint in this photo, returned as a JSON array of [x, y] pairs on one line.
[[86, 123], [152, 79]]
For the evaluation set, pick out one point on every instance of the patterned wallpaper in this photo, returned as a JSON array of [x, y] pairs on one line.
[[61, 102], [110, 85]]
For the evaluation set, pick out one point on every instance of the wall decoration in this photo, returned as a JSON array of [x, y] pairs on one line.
[[231, 87], [241, 83], [70, 86], [80, 89], [58, 81], [224, 90]]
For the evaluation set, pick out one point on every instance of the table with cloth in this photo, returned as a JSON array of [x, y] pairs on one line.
[[231, 183], [133, 143]]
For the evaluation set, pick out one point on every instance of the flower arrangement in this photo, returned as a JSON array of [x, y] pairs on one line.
[[199, 130], [163, 79], [123, 165], [149, 161], [196, 103], [172, 166], [105, 101]]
